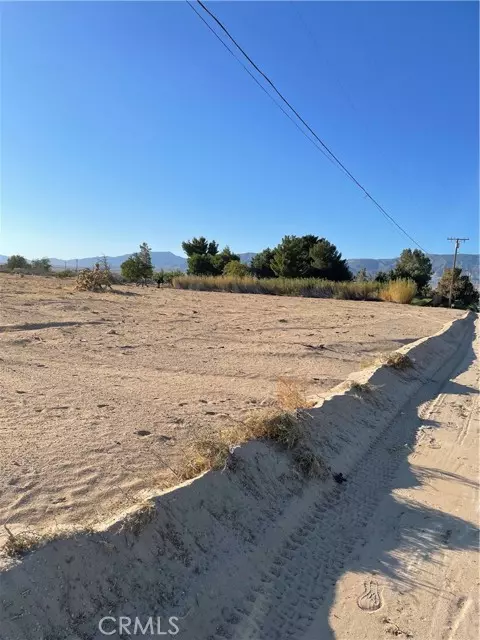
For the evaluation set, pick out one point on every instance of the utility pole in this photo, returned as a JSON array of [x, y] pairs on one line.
[[457, 242]]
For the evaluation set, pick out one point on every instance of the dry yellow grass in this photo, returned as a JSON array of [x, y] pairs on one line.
[[401, 291], [17, 544], [360, 387], [205, 455], [398, 361], [291, 394], [285, 428], [276, 425]]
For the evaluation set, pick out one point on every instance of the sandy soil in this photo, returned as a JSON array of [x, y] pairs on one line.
[[260, 552], [100, 392], [416, 572]]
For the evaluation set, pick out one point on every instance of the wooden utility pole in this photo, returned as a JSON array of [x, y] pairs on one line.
[[457, 242]]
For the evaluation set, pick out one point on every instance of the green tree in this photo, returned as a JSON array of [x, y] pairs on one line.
[[464, 293], [327, 262], [236, 269], [139, 265], [220, 260], [17, 262], [212, 248], [200, 246], [414, 265], [131, 268], [145, 255], [42, 264], [260, 264], [382, 276], [290, 258], [195, 246], [199, 264]]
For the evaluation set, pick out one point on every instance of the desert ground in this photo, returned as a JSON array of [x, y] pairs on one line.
[[101, 392]]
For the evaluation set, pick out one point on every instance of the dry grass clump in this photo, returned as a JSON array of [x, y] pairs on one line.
[[360, 387], [283, 425], [310, 464], [399, 361], [276, 425], [291, 394], [18, 544], [402, 291], [94, 280], [207, 454], [284, 428]]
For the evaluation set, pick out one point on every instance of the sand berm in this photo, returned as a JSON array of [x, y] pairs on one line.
[[225, 553]]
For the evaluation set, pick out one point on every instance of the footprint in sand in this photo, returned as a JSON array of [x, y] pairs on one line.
[[370, 600]]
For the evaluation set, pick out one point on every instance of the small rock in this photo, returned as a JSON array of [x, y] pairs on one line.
[[111, 332], [143, 432]]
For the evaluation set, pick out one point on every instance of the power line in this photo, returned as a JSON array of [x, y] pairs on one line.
[[260, 85], [325, 148]]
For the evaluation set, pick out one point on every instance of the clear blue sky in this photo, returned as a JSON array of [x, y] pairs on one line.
[[124, 122]]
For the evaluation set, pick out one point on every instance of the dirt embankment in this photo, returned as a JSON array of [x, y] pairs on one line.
[[101, 392], [254, 552]]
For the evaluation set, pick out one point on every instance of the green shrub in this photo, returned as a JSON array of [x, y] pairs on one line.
[[236, 269], [139, 265], [464, 292], [43, 265], [66, 273], [17, 262], [422, 302], [166, 277]]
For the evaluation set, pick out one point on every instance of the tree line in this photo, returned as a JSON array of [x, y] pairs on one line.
[[307, 256], [40, 265]]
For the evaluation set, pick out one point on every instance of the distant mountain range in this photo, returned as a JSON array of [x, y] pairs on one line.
[[469, 262]]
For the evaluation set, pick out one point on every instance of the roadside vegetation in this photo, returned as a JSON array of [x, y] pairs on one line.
[[285, 424], [306, 287], [307, 266], [401, 291]]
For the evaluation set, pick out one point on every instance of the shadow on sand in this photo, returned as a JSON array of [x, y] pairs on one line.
[[30, 326], [419, 531]]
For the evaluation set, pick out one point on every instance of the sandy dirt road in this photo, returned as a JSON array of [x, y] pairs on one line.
[[393, 552], [416, 573]]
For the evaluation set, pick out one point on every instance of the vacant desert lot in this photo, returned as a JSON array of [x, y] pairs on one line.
[[101, 392]]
